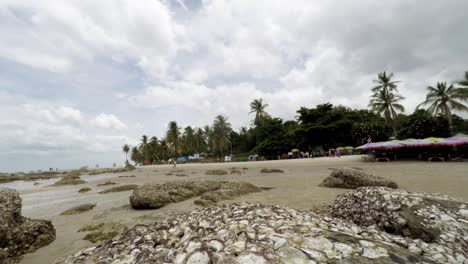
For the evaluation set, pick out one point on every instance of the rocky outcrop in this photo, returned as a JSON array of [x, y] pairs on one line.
[[121, 188], [438, 222], [18, 234], [78, 209], [351, 178], [247, 233], [69, 180], [266, 170], [153, 196], [216, 172], [227, 191], [102, 231]]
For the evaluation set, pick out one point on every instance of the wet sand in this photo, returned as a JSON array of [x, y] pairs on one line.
[[297, 187]]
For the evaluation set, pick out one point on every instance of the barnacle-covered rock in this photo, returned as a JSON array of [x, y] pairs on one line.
[[438, 222], [153, 196], [250, 233], [351, 178], [18, 234]]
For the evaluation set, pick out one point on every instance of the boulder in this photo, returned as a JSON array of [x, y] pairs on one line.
[[250, 233], [434, 219], [351, 178], [18, 234]]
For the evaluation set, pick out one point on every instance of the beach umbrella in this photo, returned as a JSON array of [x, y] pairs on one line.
[[295, 150]]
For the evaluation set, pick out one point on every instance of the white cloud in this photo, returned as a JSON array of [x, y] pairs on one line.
[[189, 61], [63, 34], [108, 121]]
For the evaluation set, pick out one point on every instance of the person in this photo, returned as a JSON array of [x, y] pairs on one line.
[[174, 163]]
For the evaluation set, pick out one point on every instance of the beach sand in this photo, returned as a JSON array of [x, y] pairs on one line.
[[297, 187]]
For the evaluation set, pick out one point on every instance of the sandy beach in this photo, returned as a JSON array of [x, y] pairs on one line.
[[297, 188]]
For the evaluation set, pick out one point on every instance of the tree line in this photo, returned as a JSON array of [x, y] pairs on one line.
[[322, 127]]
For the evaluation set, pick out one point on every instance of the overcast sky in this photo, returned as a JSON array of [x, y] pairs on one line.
[[79, 78]]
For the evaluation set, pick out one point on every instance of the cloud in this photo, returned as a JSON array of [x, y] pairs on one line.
[[63, 35], [108, 121], [72, 70]]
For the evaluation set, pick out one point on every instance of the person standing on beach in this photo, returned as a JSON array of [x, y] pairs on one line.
[[174, 163]]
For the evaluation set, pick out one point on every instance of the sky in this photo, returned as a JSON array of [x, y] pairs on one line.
[[80, 78]]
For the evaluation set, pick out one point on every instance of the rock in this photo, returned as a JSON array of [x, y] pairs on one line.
[[434, 219], [154, 196], [235, 170], [203, 203], [230, 190], [78, 209], [350, 178], [69, 180], [106, 183], [83, 190], [103, 231], [121, 188], [216, 172], [217, 234], [18, 234], [127, 176], [265, 170]]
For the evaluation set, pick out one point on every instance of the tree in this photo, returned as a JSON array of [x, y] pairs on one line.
[[135, 156], [385, 99], [172, 137], [442, 100], [188, 140], [126, 149], [275, 140], [221, 130], [464, 82], [384, 83], [258, 107], [387, 104], [143, 149]]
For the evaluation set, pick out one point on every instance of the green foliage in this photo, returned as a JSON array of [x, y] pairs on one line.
[[324, 126]]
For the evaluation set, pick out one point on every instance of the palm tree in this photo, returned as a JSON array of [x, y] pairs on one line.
[[464, 81], [153, 149], [189, 140], [442, 100], [135, 155], [172, 136], [258, 107], [143, 148], [221, 130], [200, 142], [126, 149], [387, 104], [384, 83]]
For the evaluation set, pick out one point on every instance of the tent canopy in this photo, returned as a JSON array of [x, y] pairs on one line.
[[415, 143]]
